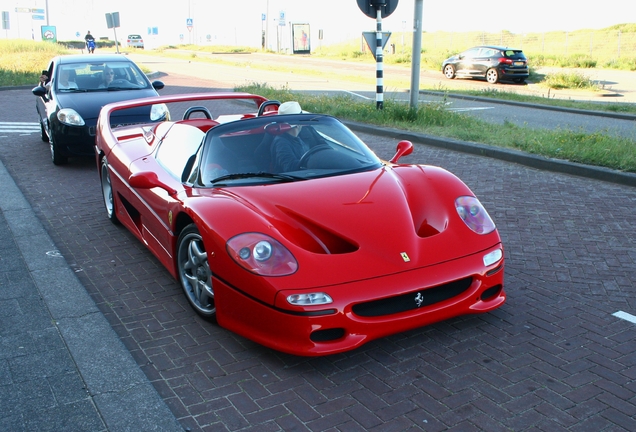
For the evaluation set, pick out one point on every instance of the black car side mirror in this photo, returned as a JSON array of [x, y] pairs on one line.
[[40, 92], [158, 85]]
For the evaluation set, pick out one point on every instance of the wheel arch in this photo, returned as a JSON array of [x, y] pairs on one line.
[[182, 221]]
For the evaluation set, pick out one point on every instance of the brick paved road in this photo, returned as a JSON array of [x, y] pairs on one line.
[[552, 358]]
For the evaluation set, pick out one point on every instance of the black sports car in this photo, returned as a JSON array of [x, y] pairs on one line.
[[494, 63], [73, 91]]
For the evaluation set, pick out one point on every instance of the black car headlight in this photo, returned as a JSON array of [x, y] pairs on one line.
[[70, 117]]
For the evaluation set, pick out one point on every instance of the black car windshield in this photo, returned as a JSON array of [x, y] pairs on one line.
[[99, 76], [280, 148]]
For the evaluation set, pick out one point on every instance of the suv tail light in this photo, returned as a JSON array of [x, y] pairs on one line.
[[505, 60]]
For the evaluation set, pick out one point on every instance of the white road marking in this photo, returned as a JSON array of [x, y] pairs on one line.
[[470, 109], [624, 315], [406, 100], [19, 127], [358, 95]]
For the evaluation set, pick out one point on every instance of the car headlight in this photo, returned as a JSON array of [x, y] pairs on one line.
[[474, 215], [318, 298], [493, 257], [70, 117], [261, 254], [159, 112]]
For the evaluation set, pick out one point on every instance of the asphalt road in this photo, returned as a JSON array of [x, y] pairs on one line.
[[555, 357]]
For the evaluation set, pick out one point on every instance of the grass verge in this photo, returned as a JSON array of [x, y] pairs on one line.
[[598, 149]]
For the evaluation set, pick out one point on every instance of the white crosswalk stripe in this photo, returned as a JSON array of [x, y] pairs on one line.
[[18, 128]]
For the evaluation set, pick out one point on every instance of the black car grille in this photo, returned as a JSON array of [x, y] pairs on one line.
[[413, 300]]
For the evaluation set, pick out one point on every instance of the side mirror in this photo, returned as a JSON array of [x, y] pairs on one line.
[[148, 180], [40, 92], [404, 148], [158, 85]]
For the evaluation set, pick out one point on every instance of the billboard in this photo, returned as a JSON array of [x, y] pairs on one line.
[[300, 39]]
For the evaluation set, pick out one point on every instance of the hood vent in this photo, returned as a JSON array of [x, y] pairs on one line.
[[312, 237]]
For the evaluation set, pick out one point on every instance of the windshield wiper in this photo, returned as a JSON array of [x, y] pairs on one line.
[[282, 177]]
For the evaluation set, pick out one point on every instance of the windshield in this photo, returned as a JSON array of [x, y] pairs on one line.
[[99, 76], [280, 148]]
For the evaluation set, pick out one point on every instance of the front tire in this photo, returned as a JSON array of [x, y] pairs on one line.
[[492, 76], [195, 275], [56, 156], [449, 71], [107, 192], [43, 134]]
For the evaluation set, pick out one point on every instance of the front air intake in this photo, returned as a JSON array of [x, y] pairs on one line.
[[412, 300]]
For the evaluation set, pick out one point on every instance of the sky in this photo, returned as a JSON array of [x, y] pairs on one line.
[[239, 22]]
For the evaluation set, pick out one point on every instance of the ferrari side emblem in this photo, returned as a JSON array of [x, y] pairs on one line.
[[170, 218], [405, 257]]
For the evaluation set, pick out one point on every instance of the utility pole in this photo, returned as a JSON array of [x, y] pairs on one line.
[[417, 53]]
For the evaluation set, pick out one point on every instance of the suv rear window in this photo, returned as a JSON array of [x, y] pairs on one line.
[[134, 37]]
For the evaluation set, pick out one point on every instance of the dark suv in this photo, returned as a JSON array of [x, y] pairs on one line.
[[494, 63]]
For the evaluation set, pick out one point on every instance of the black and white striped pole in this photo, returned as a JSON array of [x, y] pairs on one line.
[[379, 62], [378, 9]]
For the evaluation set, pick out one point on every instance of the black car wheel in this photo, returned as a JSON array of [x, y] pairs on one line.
[[449, 71], [194, 272], [492, 76], [45, 137], [57, 157], [107, 192]]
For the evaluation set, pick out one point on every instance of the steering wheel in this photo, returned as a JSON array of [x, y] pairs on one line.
[[118, 82], [261, 109], [302, 164], [194, 109]]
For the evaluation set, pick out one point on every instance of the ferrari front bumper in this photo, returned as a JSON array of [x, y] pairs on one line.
[[365, 310]]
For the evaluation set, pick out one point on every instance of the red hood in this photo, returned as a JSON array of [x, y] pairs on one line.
[[363, 225]]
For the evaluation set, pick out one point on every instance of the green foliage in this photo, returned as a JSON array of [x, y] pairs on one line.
[[570, 80], [22, 61]]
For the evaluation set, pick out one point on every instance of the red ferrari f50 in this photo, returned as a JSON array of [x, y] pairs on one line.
[[310, 256]]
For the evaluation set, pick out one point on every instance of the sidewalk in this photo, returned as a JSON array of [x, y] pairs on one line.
[[62, 367]]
